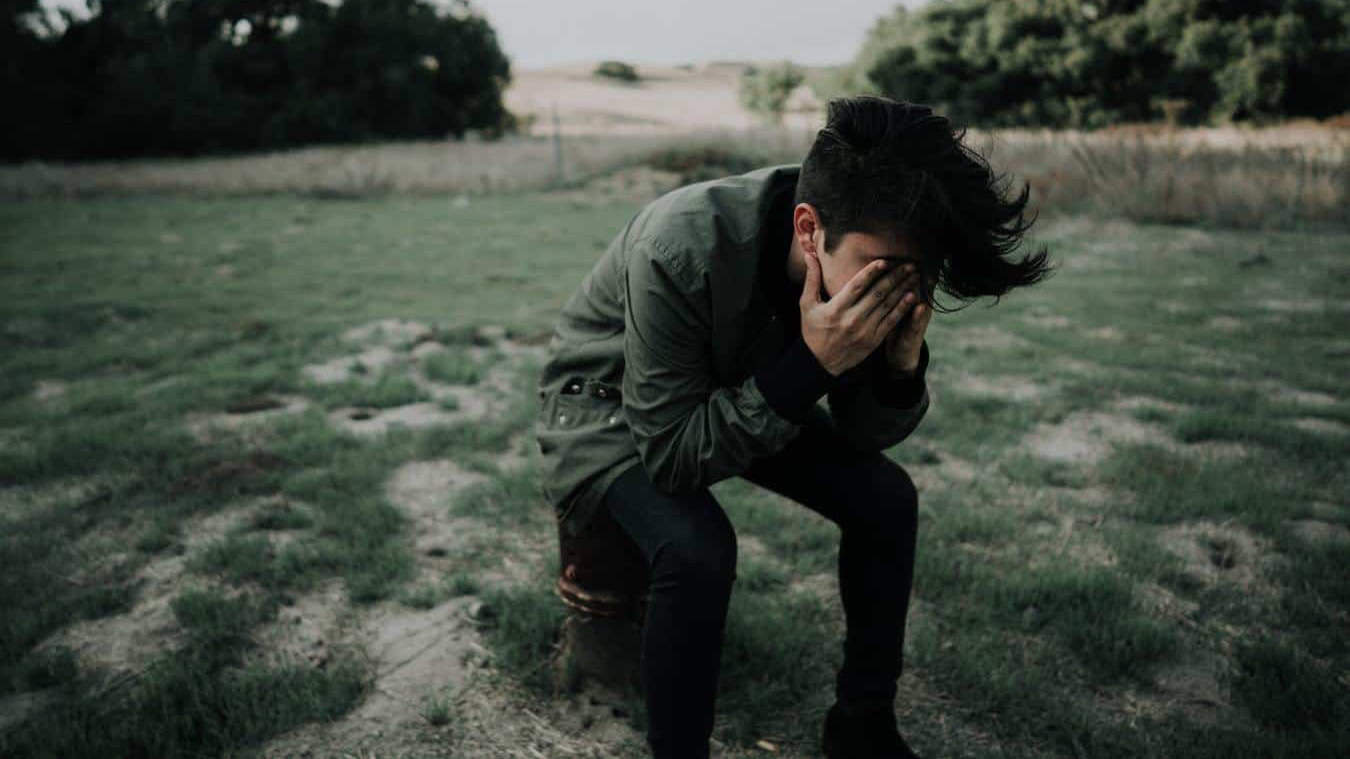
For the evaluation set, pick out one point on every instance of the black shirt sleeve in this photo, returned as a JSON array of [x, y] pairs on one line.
[[899, 393], [792, 384]]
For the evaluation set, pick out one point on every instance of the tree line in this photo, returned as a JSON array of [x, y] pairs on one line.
[[184, 77], [1090, 63]]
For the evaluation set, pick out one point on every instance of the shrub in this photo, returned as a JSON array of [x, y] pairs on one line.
[[765, 91], [617, 70]]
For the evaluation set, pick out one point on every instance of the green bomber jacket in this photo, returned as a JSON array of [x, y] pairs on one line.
[[653, 358]]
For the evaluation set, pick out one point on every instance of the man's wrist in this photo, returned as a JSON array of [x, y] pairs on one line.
[[901, 390], [792, 384], [898, 374]]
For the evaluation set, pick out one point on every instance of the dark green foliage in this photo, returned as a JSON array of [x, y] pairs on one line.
[[698, 164], [1086, 64], [619, 70], [207, 76]]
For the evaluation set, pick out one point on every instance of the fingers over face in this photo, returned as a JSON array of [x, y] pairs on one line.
[[883, 296], [861, 282], [887, 293], [873, 282], [886, 321]]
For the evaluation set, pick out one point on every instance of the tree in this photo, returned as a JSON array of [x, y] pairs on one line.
[[183, 77], [1086, 63]]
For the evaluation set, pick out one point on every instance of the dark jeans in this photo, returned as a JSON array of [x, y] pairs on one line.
[[690, 548]]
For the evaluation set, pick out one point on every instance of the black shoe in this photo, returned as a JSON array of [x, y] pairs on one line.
[[865, 731]]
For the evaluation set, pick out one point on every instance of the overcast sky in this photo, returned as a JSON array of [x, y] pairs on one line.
[[537, 33]]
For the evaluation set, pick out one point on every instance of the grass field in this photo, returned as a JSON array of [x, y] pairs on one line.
[[217, 538]]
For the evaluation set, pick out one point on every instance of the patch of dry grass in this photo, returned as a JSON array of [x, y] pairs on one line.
[[1250, 178]]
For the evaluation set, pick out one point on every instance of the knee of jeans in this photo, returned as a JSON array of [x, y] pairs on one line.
[[893, 504], [701, 559]]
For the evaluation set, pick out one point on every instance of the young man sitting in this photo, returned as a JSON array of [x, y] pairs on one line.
[[698, 348]]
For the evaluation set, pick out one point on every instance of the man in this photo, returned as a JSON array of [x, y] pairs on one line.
[[698, 348]]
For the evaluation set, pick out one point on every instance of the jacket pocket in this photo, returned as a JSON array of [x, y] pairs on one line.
[[580, 434], [583, 402]]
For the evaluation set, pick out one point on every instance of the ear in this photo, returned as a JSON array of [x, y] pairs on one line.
[[807, 229]]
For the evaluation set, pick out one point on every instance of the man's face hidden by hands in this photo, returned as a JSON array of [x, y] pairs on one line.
[[853, 251]]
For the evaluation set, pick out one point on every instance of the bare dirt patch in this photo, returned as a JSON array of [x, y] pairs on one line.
[[1300, 396], [19, 502], [416, 654], [368, 422], [402, 345], [1167, 605], [1079, 367], [419, 655], [125, 643], [1190, 685], [668, 99], [1137, 402], [1216, 553], [1193, 688], [497, 719], [944, 471], [1325, 510], [1086, 437], [391, 333], [424, 491], [520, 452], [985, 338], [46, 390], [1107, 334], [1046, 319], [1320, 426], [363, 366], [1304, 306], [307, 629], [822, 586], [1317, 532], [1009, 387]]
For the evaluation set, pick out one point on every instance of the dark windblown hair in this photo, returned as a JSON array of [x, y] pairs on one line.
[[884, 167]]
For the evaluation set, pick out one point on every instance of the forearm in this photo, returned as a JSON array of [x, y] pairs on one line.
[[688, 446]]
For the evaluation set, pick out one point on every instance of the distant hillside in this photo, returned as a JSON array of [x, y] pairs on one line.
[[666, 99]]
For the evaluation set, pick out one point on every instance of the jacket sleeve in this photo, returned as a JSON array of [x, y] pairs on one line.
[[875, 412], [689, 433]]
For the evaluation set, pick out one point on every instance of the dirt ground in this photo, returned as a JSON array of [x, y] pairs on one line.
[[667, 99]]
